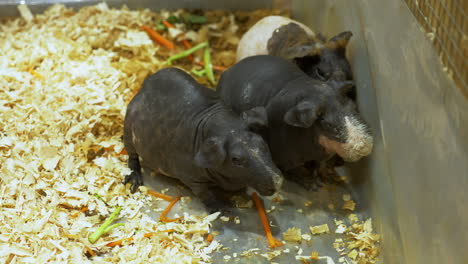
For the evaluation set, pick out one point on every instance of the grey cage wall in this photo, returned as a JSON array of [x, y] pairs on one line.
[[415, 181]]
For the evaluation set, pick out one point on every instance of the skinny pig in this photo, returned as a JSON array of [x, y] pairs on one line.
[[183, 130], [289, 39], [309, 120]]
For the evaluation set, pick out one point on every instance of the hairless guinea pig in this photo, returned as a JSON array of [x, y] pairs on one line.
[[289, 39], [309, 120], [183, 130]]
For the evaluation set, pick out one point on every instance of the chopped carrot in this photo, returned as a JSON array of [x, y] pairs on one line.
[[273, 242], [84, 209], [201, 63], [163, 217], [158, 37], [119, 242], [215, 67], [162, 231], [35, 74], [188, 46], [209, 238], [123, 152], [90, 251], [161, 195], [167, 24]]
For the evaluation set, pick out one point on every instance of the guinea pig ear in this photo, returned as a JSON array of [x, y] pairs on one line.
[[303, 115], [256, 118], [290, 41], [211, 153], [345, 88], [340, 41]]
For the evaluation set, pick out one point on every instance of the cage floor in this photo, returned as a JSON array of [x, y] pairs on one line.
[[299, 208]]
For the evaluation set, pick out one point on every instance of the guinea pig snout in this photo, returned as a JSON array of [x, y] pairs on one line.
[[358, 143]]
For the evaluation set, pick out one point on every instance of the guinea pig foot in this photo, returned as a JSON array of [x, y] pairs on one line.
[[135, 179]]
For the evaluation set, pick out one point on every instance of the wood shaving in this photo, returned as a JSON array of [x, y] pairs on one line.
[[292, 234], [271, 254], [320, 229], [65, 80], [360, 244], [349, 205]]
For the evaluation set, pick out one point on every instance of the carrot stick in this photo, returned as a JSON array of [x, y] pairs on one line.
[[215, 67], [162, 231], [188, 46], [161, 195], [84, 209], [163, 217], [119, 242], [90, 251], [158, 37], [273, 242], [209, 238], [167, 24]]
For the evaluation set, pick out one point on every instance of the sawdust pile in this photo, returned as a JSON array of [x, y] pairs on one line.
[[65, 80]]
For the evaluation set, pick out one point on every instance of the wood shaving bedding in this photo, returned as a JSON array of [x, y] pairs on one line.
[[65, 80]]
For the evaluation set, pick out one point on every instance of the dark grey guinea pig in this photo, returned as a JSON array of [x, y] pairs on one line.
[[183, 130], [309, 120], [289, 39]]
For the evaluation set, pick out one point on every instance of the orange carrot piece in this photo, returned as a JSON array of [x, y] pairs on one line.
[[90, 251], [161, 195], [84, 209], [209, 238], [158, 37], [123, 152], [218, 68], [118, 242], [162, 231], [273, 242], [188, 46], [163, 217], [167, 24]]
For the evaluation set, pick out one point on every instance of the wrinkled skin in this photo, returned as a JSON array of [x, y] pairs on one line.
[[309, 120], [183, 130], [289, 39]]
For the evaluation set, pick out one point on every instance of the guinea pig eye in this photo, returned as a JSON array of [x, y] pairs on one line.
[[320, 74], [237, 161]]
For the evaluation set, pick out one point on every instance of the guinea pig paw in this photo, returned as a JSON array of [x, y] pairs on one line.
[[218, 206], [135, 179]]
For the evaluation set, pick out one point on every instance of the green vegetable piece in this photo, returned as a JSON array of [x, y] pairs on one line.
[[187, 52], [208, 66], [195, 19], [199, 73], [173, 20], [160, 25], [106, 227]]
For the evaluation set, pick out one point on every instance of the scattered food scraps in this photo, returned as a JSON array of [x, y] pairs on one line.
[[320, 229], [292, 234], [349, 205]]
